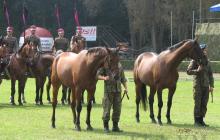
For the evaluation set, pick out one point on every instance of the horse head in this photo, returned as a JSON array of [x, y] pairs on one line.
[[113, 57], [27, 52], [78, 44], [196, 52], [3, 53]]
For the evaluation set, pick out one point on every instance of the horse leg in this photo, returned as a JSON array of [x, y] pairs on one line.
[[68, 98], [12, 101], [37, 90], [20, 90], [160, 105], [22, 93], [73, 105], [94, 102], [48, 89], [43, 79], [141, 94], [138, 99], [151, 104], [83, 98], [78, 94], [90, 98], [54, 102], [64, 90], [169, 103]]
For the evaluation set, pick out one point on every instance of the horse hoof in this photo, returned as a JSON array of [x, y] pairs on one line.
[[78, 128], [153, 121], [160, 123], [12, 103], [20, 104], [41, 103], [24, 102], [169, 122], [89, 128], [53, 126], [138, 120]]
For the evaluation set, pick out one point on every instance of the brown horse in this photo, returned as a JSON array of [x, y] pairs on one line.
[[41, 69], [18, 66], [160, 72], [78, 71], [4, 57]]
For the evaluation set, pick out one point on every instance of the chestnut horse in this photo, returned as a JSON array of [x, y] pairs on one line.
[[18, 66], [160, 72], [77, 44], [78, 71]]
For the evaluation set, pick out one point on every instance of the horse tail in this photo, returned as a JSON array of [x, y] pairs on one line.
[[54, 67], [144, 96]]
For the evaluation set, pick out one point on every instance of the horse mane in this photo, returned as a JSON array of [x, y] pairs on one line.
[[25, 43], [96, 51], [175, 46]]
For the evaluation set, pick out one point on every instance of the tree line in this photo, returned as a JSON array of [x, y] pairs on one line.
[[145, 23]]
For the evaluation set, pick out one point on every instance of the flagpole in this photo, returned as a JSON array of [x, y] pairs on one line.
[[6, 12]]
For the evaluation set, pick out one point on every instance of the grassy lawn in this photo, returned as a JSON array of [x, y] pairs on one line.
[[31, 122]]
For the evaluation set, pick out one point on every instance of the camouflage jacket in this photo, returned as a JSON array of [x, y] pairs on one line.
[[61, 44], [12, 43], [35, 40], [113, 85], [203, 78]]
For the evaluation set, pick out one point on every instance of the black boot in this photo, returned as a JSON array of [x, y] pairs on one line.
[[115, 127], [106, 127], [203, 123], [197, 121]]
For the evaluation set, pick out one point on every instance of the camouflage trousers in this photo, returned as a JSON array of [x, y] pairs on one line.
[[201, 97], [111, 100]]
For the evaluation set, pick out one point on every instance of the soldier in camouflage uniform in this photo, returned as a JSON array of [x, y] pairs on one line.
[[34, 39], [112, 95], [11, 41], [203, 83], [61, 43]]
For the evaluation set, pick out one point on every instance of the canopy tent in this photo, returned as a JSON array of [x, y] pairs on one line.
[[215, 8]]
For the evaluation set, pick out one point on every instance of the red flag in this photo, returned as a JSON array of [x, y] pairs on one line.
[[77, 20], [6, 12], [57, 13], [24, 14]]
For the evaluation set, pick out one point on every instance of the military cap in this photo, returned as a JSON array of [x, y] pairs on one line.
[[9, 29], [33, 27], [60, 30]]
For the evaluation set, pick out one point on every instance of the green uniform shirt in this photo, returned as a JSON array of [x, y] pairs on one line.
[[113, 85], [35, 40], [12, 43], [61, 44], [203, 78]]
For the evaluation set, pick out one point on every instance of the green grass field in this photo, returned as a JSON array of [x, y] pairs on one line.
[[31, 122]]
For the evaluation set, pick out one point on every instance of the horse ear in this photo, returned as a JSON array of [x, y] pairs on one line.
[[123, 46], [196, 39]]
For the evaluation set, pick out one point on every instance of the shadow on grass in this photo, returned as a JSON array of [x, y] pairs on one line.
[[191, 126], [46, 105], [130, 135]]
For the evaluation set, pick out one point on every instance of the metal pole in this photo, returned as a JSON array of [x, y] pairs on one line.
[[193, 22], [171, 28], [200, 11]]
